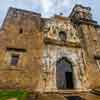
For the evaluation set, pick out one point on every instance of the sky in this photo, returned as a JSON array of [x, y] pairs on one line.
[[49, 8]]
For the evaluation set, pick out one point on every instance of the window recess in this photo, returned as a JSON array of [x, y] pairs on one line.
[[14, 55]]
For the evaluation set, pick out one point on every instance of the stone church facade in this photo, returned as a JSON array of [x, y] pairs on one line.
[[50, 55]]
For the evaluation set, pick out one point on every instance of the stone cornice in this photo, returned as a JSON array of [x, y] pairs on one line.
[[61, 43]]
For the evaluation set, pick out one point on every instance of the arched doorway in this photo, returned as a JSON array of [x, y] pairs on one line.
[[64, 74]]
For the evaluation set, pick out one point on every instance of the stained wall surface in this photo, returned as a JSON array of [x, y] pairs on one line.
[[30, 47]]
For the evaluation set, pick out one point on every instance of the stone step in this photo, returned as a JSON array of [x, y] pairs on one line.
[[96, 91], [69, 92]]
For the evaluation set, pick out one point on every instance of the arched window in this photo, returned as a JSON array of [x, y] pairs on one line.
[[64, 74], [62, 35]]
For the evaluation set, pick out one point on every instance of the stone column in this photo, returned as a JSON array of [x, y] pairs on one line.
[[77, 83]]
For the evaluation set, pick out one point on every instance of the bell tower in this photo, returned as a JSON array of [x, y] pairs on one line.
[[80, 12], [82, 19]]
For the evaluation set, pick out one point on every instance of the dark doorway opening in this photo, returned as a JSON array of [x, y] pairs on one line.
[[69, 80], [64, 74]]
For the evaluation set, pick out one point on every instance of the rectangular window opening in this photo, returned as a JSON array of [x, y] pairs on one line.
[[14, 59], [14, 54]]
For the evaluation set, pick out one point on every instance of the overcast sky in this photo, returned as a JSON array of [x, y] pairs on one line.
[[49, 7]]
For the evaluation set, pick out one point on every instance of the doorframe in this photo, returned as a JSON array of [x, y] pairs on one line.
[[72, 72]]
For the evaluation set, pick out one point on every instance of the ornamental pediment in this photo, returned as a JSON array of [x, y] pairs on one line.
[[60, 30]]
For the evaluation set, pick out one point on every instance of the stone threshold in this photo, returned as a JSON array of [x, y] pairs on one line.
[[64, 92]]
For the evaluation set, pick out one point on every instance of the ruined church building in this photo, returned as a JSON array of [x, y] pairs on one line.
[[59, 55]]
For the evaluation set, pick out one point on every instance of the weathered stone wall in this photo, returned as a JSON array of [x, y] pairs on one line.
[[89, 45], [87, 29], [53, 52], [21, 31], [42, 45], [98, 40]]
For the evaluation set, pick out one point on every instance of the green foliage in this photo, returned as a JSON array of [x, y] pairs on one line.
[[8, 94]]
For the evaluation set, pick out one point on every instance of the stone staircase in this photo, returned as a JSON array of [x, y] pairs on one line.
[[96, 91], [67, 95]]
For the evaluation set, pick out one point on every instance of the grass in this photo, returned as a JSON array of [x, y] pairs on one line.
[[7, 94]]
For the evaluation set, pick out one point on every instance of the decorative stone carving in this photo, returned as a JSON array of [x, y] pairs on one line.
[[53, 54], [53, 27]]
